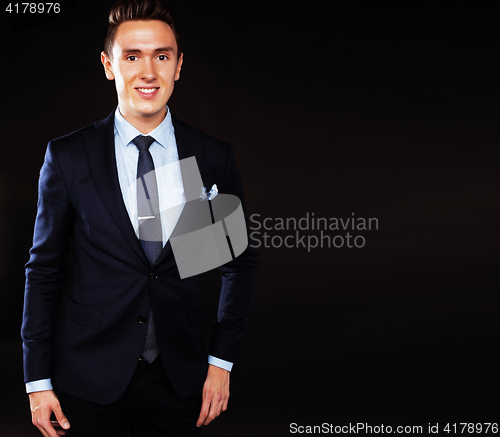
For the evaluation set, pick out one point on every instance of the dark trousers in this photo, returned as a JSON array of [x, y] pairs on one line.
[[148, 408]]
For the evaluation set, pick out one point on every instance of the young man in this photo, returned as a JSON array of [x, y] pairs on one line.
[[115, 370]]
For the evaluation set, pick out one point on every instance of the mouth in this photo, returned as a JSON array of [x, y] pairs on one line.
[[147, 91]]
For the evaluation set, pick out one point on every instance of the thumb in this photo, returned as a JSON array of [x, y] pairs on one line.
[[61, 418]]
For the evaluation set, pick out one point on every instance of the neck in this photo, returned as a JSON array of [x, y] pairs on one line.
[[145, 124]]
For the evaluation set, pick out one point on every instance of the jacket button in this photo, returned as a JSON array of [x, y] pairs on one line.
[[142, 319], [153, 276]]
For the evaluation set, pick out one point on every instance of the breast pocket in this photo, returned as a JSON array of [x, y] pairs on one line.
[[82, 314]]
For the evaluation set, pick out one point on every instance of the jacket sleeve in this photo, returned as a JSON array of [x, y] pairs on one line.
[[238, 284], [46, 269]]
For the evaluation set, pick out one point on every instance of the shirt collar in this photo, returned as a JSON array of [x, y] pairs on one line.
[[127, 132]]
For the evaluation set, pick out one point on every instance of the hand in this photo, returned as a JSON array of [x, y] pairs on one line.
[[215, 395], [42, 404]]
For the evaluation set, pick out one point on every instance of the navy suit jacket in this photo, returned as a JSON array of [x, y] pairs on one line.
[[91, 349]]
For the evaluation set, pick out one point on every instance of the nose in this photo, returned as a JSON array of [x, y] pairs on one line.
[[148, 71]]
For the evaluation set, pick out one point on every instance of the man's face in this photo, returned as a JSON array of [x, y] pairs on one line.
[[144, 66]]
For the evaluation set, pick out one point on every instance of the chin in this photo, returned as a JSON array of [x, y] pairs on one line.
[[145, 112], [154, 112]]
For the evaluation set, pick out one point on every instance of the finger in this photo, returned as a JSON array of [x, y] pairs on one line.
[[226, 401], [49, 429], [215, 407], [204, 408], [61, 418], [36, 419], [226, 396], [42, 431], [57, 427], [203, 414], [45, 427]]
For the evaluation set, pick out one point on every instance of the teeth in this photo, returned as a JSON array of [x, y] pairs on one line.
[[147, 90]]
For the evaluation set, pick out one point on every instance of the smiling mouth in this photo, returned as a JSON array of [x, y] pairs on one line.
[[147, 90]]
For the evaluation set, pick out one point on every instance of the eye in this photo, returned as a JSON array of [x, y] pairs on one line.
[[131, 58], [162, 57]]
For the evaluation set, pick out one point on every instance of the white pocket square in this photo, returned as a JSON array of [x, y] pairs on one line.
[[211, 194]]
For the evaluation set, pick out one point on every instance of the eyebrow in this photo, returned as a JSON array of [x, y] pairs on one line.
[[160, 49]]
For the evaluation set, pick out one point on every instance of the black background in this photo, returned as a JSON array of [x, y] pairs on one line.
[[382, 112]]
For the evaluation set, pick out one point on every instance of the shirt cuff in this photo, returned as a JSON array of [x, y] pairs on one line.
[[40, 385], [223, 364]]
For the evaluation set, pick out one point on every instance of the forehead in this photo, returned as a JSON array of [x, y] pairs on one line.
[[144, 36]]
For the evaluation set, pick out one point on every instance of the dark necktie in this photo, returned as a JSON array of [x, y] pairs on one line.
[[150, 234]]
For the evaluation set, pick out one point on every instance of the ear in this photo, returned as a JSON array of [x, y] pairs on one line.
[[108, 67], [178, 68]]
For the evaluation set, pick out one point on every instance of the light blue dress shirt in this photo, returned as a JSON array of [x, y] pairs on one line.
[[170, 190]]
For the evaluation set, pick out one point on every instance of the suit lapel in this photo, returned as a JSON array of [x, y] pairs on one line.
[[100, 151], [188, 144]]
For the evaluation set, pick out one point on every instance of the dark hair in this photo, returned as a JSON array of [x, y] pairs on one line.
[[134, 10]]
